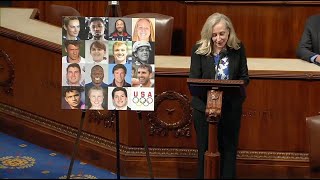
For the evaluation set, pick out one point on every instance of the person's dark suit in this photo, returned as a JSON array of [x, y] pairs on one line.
[[309, 44], [202, 67], [128, 108]]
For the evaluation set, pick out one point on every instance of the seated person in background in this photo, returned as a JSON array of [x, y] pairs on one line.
[[141, 51], [97, 28], [120, 53], [98, 52], [96, 98], [120, 98], [74, 75], [120, 32], [143, 30], [72, 95], [309, 45], [71, 28], [119, 72], [145, 75]]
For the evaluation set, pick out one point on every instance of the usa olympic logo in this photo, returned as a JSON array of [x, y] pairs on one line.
[[142, 101]]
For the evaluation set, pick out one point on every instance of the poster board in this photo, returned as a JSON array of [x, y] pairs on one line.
[[108, 63]]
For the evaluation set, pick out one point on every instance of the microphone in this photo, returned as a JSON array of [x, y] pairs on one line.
[[223, 53]]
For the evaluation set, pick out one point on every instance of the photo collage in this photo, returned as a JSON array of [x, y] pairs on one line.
[[108, 63]]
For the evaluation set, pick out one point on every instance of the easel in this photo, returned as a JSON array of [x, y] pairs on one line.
[[76, 144], [117, 143], [143, 135], [144, 139], [113, 9]]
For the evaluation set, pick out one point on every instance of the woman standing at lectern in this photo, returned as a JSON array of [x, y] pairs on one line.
[[219, 54]]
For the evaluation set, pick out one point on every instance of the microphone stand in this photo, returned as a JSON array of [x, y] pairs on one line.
[[76, 145]]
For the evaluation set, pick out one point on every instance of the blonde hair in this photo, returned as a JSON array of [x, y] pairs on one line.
[[119, 43], [206, 43], [135, 36]]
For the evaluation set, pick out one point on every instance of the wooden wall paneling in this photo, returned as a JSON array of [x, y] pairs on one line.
[[28, 4], [184, 168], [276, 127], [194, 25], [171, 113], [298, 15], [34, 98], [311, 92], [272, 170], [130, 129], [253, 107], [254, 25], [92, 8], [266, 30], [98, 8]]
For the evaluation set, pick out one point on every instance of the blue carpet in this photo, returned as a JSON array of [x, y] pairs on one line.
[[22, 160]]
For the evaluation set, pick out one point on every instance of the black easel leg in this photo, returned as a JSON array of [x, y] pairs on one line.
[[117, 144], [144, 139], [76, 144]]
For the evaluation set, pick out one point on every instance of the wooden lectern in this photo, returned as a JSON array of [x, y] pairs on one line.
[[214, 90]]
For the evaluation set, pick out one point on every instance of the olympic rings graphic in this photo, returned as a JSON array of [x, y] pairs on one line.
[[149, 100], [142, 100], [135, 100]]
